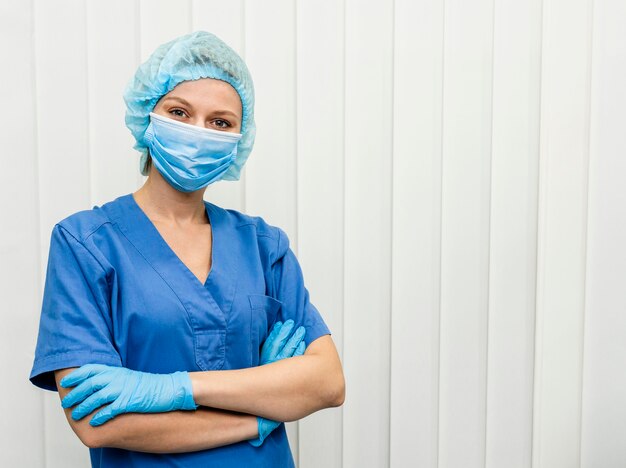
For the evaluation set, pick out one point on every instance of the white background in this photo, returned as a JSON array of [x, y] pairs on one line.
[[451, 175]]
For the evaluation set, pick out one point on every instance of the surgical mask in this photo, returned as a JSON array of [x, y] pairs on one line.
[[189, 157]]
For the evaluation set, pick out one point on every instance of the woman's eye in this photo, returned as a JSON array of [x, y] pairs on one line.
[[178, 113], [221, 123]]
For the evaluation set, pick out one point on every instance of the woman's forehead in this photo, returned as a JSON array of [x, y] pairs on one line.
[[206, 90]]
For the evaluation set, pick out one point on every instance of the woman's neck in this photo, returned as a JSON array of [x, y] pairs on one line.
[[163, 203]]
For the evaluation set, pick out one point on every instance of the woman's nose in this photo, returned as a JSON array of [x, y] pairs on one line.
[[198, 122]]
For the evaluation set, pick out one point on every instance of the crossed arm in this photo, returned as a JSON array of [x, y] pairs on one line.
[[230, 401]]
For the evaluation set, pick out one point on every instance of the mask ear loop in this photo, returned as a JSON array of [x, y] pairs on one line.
[[145, 162]]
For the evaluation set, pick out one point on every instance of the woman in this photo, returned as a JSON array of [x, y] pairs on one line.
[[178, 333]]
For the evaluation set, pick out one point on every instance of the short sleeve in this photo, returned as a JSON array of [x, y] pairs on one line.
[[75, 327], [290, 290]]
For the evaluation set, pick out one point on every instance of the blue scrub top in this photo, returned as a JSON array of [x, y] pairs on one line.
[[117, 294]]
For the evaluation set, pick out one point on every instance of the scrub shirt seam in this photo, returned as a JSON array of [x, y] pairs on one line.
[[258, 234], [84, 238], [95, 229], [265, 235], [278, 242], [44, 359], [87, 249], [277, 258], [255, 223], [269, 236], [246, 223]]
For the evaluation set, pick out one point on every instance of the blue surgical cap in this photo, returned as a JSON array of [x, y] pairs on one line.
[[190, 57]]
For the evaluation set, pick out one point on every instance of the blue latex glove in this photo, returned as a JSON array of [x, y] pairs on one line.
[[127, 391], [275, 348]]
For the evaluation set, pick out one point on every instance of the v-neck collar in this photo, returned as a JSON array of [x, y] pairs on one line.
[[166, 246], [219, 288]]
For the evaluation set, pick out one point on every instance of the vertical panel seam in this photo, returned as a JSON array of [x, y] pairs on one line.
[[441, 161], [586, 223], [295, 119], [295, 157], [37, 175], [137, 9], [343, 208], [90, 154], [190, 25], [343, 217], [488, 279], [391, 221], [539, 226], [242, 38]]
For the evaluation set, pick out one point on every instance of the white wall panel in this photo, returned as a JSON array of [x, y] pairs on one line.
[[271, 57], [467, 116], [111, 62], [367, 284], [21, 404], [320, 120], [161, 21], [418, 60], [62, 111], [512, 267], [226, 23], [604, 380], [561, 233]]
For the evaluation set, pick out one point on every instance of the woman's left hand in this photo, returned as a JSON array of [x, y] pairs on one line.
[[275, 348], [126, 390]]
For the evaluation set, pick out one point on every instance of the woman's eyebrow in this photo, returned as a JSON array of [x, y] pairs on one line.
[[176, 98], [225, 112]]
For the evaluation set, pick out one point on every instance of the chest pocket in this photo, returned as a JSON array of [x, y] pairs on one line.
[[210, 349], [264, 312]]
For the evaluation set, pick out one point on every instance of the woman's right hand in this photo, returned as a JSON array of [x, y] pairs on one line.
[[275, 348]]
